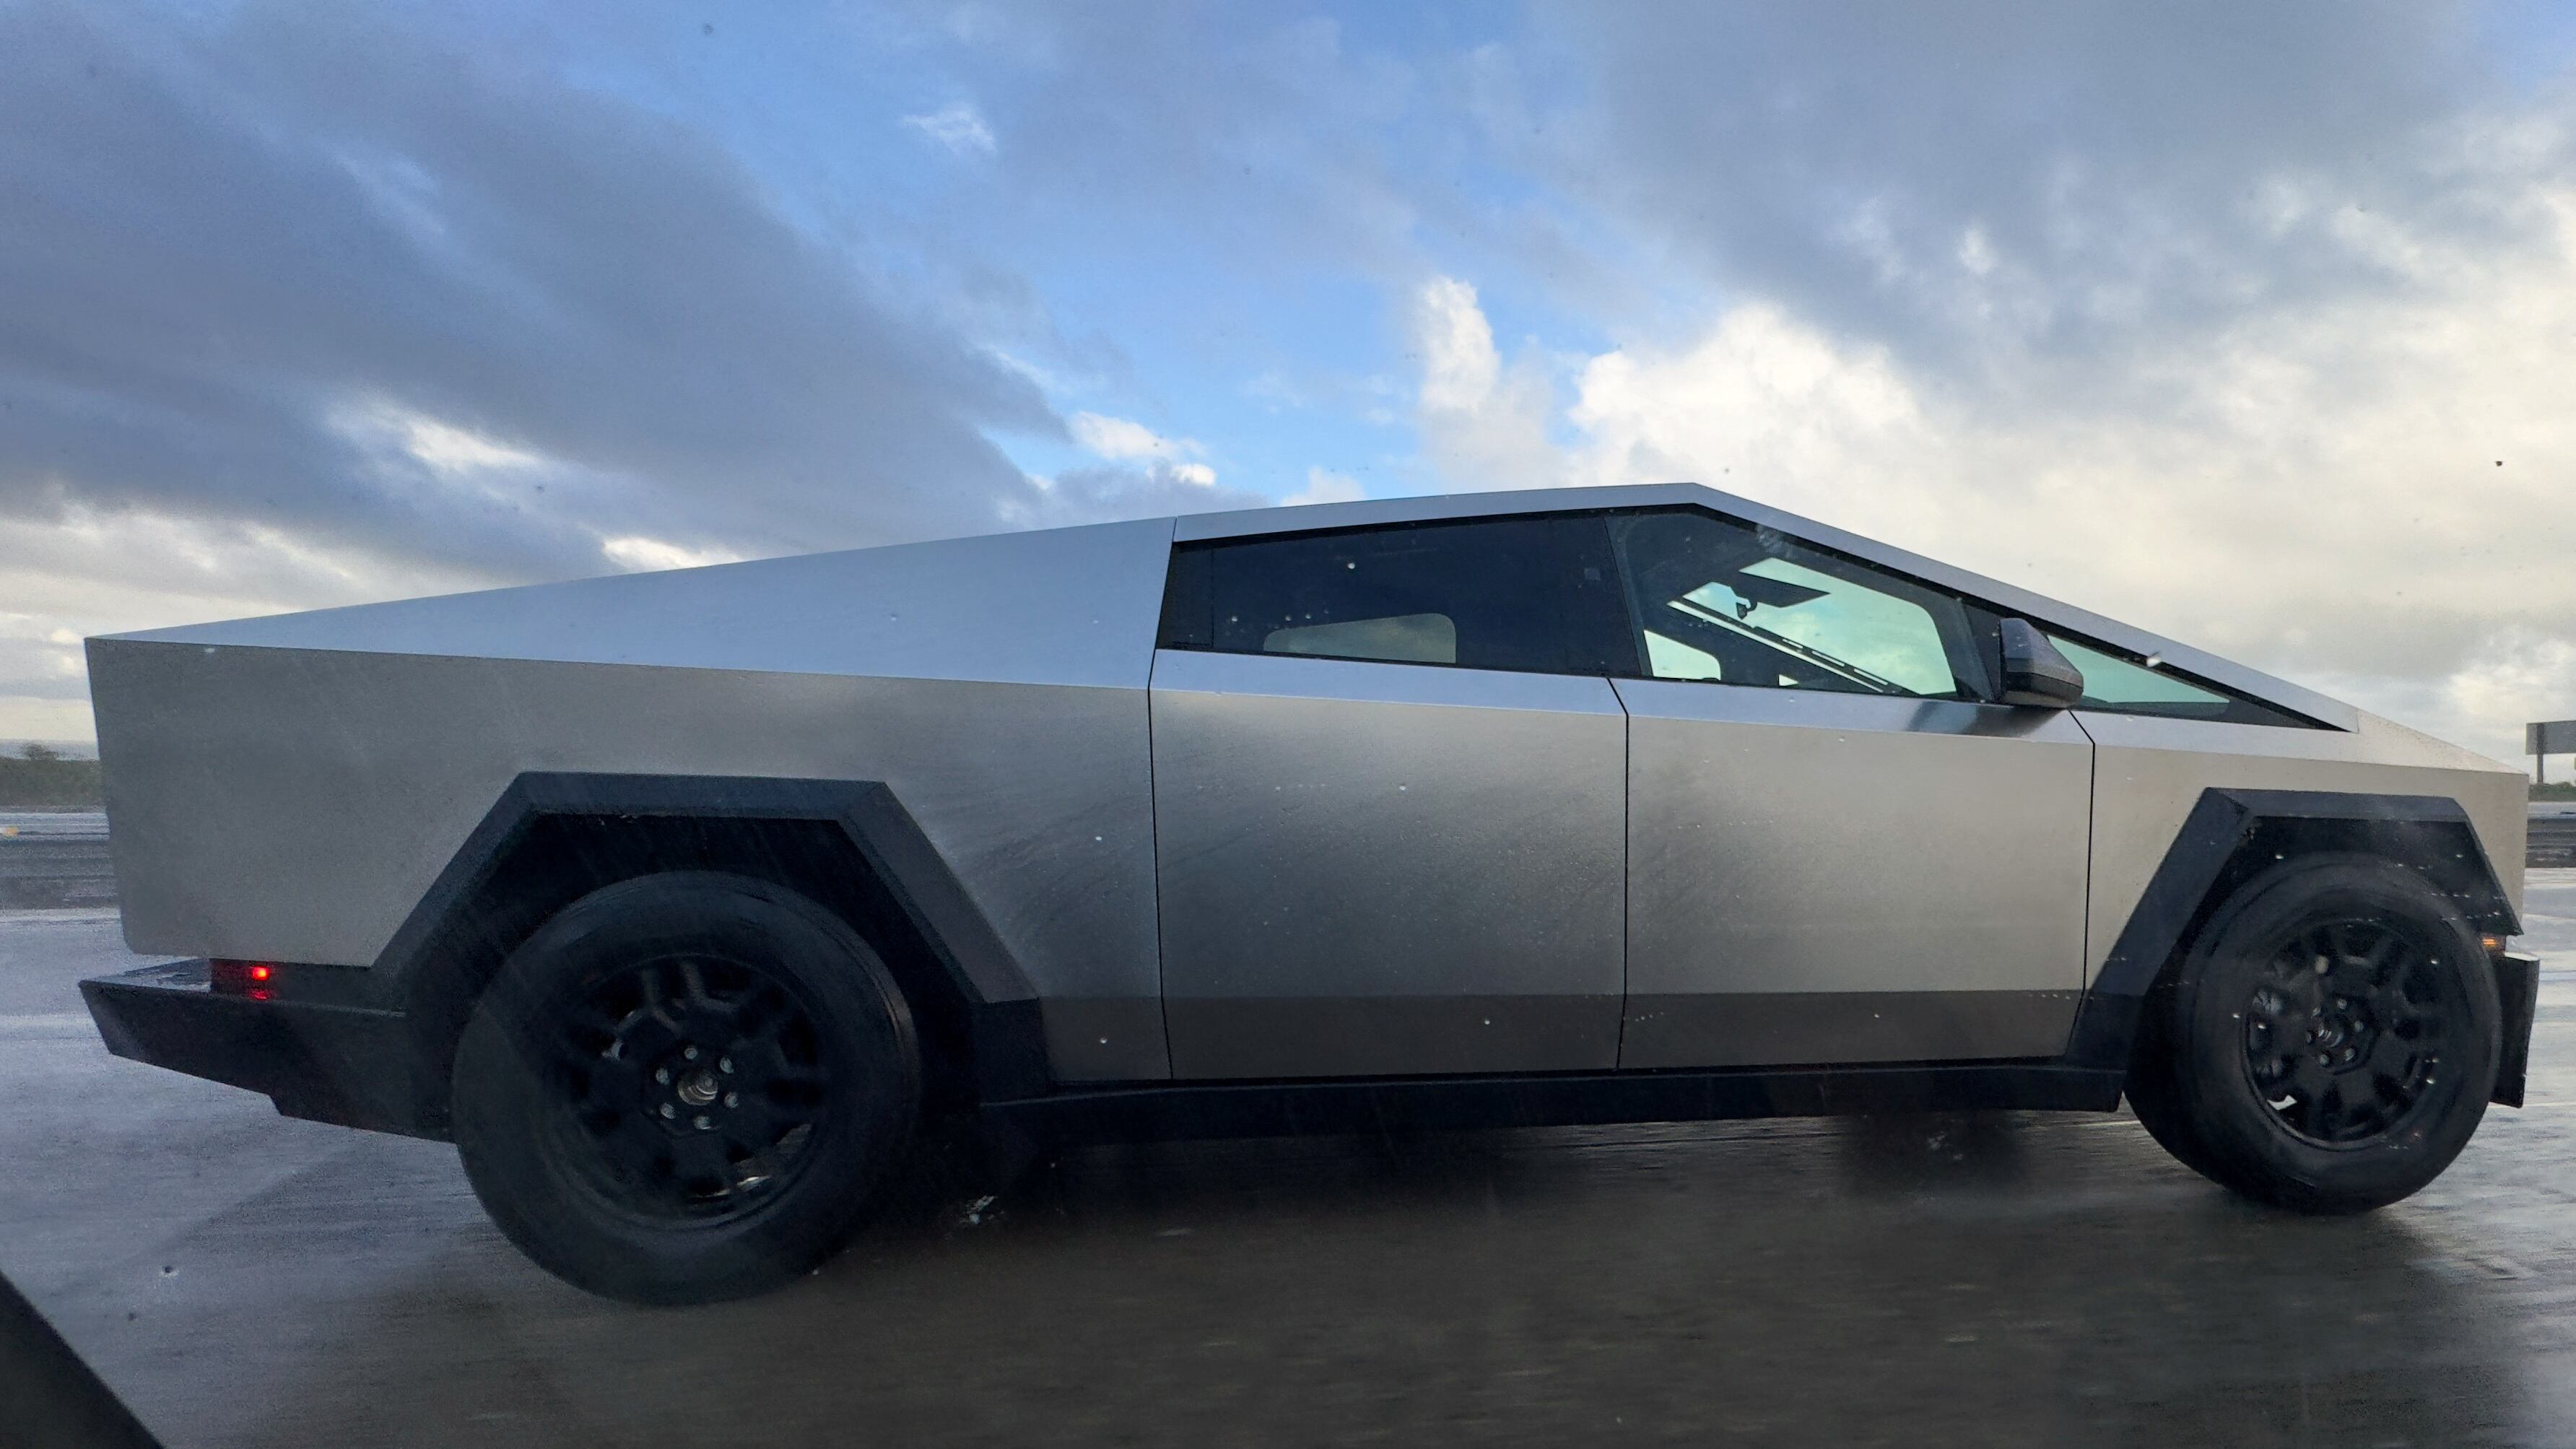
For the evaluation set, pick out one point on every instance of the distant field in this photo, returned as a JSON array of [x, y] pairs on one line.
[[48, 782]]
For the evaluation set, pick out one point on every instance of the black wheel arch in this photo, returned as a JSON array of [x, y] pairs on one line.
[[552, 838], [2233, 835]]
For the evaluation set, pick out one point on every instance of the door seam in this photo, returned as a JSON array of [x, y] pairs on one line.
[[1627, 803], [2092, 810], [1154, 843]]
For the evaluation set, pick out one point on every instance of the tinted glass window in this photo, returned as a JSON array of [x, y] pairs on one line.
[[1719, 601], [1534, 594], [2126, 686]]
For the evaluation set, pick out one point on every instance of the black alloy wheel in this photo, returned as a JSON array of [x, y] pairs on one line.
[[2345, 1032], [686, 1087], [698, 1083], [2328, 1041]]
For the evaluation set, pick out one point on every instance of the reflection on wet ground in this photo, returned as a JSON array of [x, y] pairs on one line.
[[2011, 1279]]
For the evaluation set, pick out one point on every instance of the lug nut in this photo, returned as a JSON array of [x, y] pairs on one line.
[[668, 1111], [662, 1075], [701, 1122], [688, 1054], [733, 1099], [724, 1064]]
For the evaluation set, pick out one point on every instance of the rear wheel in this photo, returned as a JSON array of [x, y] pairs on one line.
[[685, 1087], [2328, 1044]]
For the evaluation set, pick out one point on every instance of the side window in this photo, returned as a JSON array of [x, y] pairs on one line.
[[2123, 686], [1716, 600], [1532, 594]]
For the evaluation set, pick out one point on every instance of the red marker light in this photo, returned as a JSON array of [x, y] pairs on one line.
[[254, 979]]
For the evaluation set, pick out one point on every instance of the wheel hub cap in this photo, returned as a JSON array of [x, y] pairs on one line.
[[2344, 1032], [696, 1084]]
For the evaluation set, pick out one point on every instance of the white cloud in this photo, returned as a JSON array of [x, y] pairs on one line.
[[2507, 678], [94, 571], [1975, 252], [391, 435], [1459, 364], [957, 126], [1324, 486], [39, 650], [1093, 495], [452, 449], [1121, 440], [31, 717], [1759, 394], [1166, 460], [2315, 490], [638, 554], [1483, 424]]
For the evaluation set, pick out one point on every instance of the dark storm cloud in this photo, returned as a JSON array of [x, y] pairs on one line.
[[233, 264], [1971, 180]]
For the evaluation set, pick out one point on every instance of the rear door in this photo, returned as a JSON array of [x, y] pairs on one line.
[[1838, 852], [1389, 781]]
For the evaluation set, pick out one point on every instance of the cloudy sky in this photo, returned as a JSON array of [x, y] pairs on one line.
[[2255, 325]]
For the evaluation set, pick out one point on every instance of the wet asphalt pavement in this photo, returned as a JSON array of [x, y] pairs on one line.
[[244, 1279]]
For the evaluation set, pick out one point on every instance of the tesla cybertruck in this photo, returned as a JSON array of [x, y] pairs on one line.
[[680, 901]]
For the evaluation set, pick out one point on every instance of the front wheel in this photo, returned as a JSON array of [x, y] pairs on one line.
[[685, 1087], [2329, 1042]]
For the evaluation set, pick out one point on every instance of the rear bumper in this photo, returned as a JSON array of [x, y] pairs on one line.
[[341, 1064]]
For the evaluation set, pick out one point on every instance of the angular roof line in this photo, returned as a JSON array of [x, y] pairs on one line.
[[824, 585], [1500, 503]]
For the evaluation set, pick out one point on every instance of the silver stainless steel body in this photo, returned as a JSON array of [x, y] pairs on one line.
[[289, 788], [1249, 867], [2148, 774], [1818, 877], [1386, 869]]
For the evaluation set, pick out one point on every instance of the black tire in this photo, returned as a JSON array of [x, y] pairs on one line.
[[598, 1131], [2153, 1093], [2328, 1043]]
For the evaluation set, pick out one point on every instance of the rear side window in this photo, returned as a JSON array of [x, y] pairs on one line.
[[1538, 595]]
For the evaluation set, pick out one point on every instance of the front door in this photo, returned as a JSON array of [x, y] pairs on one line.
[[1838, 852], [1389, 777]]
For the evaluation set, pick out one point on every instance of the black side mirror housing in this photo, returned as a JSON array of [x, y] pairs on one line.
[[2034, 672]]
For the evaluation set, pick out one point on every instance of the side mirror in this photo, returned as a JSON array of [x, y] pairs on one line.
[[2034, 672]]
